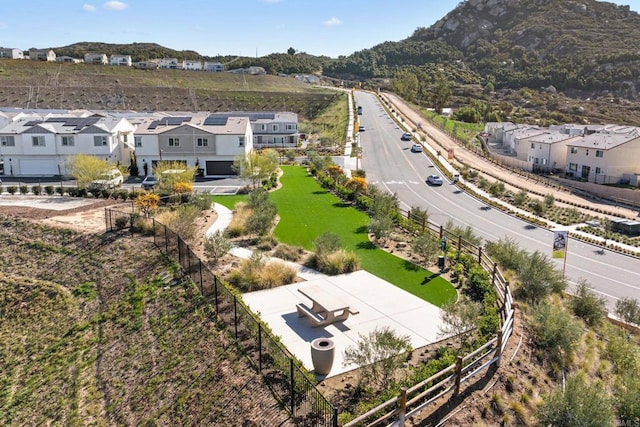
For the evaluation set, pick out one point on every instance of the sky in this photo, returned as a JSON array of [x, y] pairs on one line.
[[223, 27]]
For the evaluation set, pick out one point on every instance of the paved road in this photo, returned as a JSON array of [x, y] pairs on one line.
[[391, 165]]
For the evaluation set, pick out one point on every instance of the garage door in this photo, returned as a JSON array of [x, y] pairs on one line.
[[36, 167], [220, 168]]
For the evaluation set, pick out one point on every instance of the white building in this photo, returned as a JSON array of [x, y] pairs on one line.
[[41, 147], [121, 60], [9, 53], [42, 55], [216, 67], [96, 58], [192, 65], [170, 63]]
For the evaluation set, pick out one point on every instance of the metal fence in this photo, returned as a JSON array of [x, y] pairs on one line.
[[289, 382]]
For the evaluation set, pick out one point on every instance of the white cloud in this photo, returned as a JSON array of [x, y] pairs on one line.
[[332, 22], [88, 7], [115, 5]]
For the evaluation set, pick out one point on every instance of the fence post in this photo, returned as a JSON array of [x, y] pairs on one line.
[[402, 407], [166, 241], [441, 233], [107, 215], [499, 348], [456, 390], [235, 316], [293, 388], [493, 275], [459, 247], [201, 280], [215, 293], [335, 417], [259, 347], [480, 255]]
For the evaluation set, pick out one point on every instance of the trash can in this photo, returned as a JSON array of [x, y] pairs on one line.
[[322, 354], [441, 262]]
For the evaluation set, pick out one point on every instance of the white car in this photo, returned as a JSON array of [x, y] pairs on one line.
[[416, 148], [109, 179], [434, 180]]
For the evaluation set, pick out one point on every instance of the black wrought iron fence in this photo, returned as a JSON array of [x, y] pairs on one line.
[[289, 382]]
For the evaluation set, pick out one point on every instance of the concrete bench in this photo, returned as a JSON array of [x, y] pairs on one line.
[[315, 319]]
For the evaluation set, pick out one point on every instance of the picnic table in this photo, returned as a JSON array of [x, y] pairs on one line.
[[325, 309]]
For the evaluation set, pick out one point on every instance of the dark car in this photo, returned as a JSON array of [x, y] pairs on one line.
[[149, 182], [434, 180], [361, 128], [406, 136]]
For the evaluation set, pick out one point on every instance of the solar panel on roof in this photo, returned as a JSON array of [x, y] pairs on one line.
[[33, 122], [169, 121], [216, 121]]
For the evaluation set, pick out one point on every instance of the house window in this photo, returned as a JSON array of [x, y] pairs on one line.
[[291, 127], [274, 128], [574, 150], [125, 138], [99, 141], [38, 141], [202, 142], [241, 141], [587, 153], [263, 127], [573, 167], [67, 141], [598, 170], [7, 141], [533, 145], [138, 141], [599, 153], [174, 142]]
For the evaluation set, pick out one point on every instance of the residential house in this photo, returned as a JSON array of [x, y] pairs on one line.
[[210, 143], [121, 60], [192, 65], [270, 129], [68, 59], [216, 67], [517, 135], [41, 147], [96, 58], [170, 63], [42, 55], [605, 158], [146, 65], [10, 53], [545, 152]]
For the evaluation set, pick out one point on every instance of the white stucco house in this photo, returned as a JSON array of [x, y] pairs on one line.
[[121, 60], [170, 63], [216, 67], [96, 58], [42, 55], [192, 65], [11, 53], [605, 157], [40, 147]]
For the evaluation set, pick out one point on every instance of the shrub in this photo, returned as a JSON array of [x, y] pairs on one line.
[[549, 200], [555, 331], [216, 246], [12, 189], [587, 305], [288, 252], [24, 189], [122, 222], [142, 225], [520, 198], [49, 190], [628, 310], [337, 262]]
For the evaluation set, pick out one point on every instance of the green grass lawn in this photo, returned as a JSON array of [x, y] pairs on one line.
[[307, 210]]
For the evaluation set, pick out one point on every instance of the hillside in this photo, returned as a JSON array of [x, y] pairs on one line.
[[91, 335], [29, 84]]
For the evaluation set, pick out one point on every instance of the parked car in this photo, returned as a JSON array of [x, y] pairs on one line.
[[406, 136], [361, 128], [109, 179], [434, 180], [416, 148], [149, 182]]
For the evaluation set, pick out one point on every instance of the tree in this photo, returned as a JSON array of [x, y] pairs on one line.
[[383, 208], [327, 243], [587, 305], [216, 246], [85, 168], [507, 253], [520, 198], [441, 93], [147, 203], [579, 405], [459, 319], [263, 212], [539, 278], [378, 355], [427, 246], [291, 51], [255, 166], [170, 173]]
